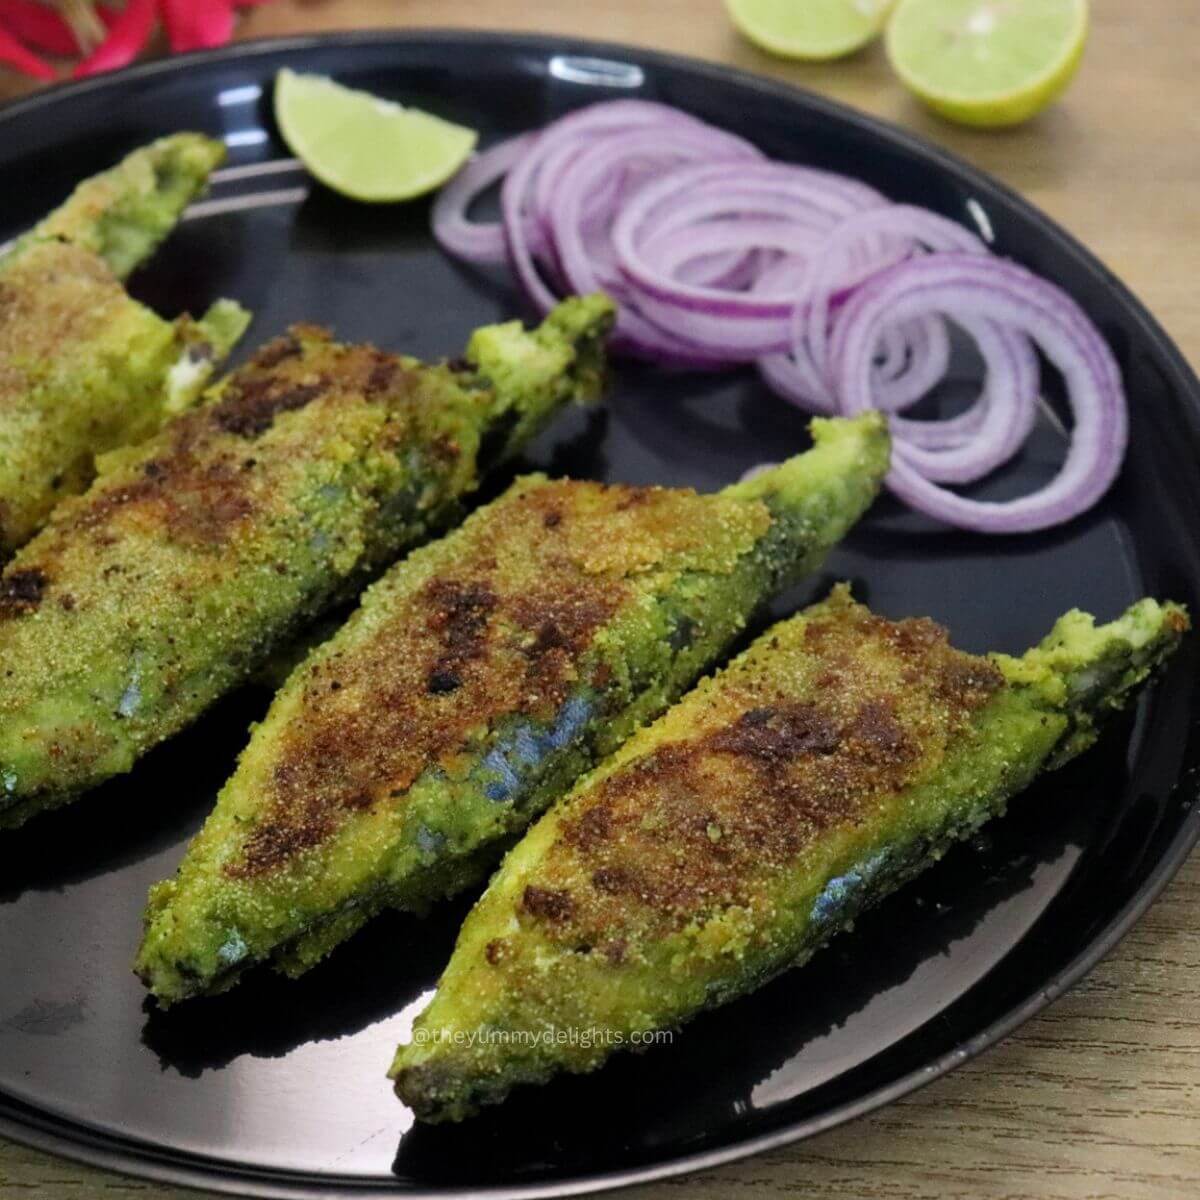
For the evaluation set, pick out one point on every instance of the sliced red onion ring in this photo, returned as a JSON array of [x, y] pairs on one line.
[[927, 343], [974, 286], [1008, 405], [583, 271], [672, 253], [758, 189], [528, 191], [717, 256], [562, 141], [624, 137], [962, 449], [476, 241], [892, 353], [916, 357], [826, 270]]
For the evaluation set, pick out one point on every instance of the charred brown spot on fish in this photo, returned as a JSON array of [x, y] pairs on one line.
[[552, 904], [278, 351], [442, 682], [777, 734], [383, 375], [251, 408], [21, 591]]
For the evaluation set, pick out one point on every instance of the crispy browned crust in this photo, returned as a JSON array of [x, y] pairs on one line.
[[497, 631], [222, 496], [55, 297], [202, 484], [280, 378], [57, 304], [776, 760], [834, 761]]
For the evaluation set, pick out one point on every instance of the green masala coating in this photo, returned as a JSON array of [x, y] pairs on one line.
[[196, 553], [833, 761], [477, 681], [85, 368], [124, 213]]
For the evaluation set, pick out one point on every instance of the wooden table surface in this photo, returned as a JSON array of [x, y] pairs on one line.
[[1099, 1097]]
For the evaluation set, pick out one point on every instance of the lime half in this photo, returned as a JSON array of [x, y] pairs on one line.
[[987, 62], [809, 29], [364, 147]]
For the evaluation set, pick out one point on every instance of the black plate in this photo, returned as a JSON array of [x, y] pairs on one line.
[[278, 1088]]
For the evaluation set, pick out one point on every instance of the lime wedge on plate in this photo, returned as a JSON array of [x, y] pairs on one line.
[[364, 147], [809, 29], [987, 62]]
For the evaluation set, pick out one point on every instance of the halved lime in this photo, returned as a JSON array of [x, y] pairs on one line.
[[364, 147], [987, 62], [809, 29]]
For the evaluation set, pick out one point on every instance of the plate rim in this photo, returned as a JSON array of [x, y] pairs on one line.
[[27, 1125]]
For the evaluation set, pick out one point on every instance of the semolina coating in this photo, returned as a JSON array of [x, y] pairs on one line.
[[122, 215], [197, 552], [477, 680], [833, 761], [85, 368]]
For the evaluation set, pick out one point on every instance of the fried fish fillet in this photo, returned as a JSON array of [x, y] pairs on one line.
[[836, 759], [476, 682], [124, 213], [195, 553], [85, 368]]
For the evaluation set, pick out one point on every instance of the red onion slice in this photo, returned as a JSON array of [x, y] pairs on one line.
[[927, 346], [561, 142], [974, 286], [826, 270], [584, 273], [528, 189], [672, 253], [1007, 411], [731, 188], [915, 357], [717, 256], [476, 241]]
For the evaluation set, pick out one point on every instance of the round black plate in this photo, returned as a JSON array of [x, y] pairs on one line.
[[278, 1088]]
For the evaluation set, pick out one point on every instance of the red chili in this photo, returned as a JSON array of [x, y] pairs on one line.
[[126, 37], [197, 24], [23, 59], [38, 26]]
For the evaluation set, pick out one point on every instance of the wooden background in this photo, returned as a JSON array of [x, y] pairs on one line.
[[1099, 1098]]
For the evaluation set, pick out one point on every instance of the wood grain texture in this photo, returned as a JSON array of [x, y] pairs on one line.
[[1099, 1097]]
